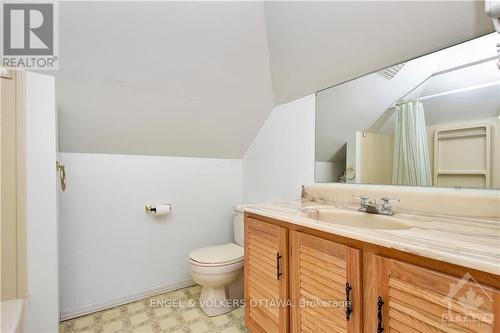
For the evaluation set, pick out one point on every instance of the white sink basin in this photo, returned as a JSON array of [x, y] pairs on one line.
[[360, 219]]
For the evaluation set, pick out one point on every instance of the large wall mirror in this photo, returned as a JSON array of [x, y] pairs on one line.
[[430, 121]]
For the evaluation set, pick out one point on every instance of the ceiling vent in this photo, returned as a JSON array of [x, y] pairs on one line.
[[389, 72]]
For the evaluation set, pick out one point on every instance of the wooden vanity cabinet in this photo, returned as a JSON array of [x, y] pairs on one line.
[[401, 297], [389, 290], [266, 277], [324, 275]]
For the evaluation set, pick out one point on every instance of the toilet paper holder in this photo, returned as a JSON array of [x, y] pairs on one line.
[[152, 208]]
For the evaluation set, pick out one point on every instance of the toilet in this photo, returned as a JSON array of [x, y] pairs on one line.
[[219, 271]]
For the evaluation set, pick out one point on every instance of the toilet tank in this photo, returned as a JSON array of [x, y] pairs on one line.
[[239, 226]]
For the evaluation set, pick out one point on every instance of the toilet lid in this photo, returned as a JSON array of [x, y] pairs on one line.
[[217, 254]]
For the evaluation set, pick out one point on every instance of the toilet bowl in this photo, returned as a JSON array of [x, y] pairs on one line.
[[219, 271]]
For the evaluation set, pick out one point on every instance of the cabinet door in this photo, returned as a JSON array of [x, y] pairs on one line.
[[266, 277], [324, 274], [401, 297]]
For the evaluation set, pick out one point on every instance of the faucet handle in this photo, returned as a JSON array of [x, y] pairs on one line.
[[387, 200], [386, 205], [363, 198]]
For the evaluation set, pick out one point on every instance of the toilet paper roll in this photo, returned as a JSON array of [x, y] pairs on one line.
[[162, 209]]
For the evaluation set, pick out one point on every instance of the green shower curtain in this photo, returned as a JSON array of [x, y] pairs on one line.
[[411, 154]]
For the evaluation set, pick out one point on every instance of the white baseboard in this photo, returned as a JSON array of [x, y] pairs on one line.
[[90, 308]]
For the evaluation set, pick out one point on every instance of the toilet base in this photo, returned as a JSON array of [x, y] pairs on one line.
[[216, 301], [221, 287]]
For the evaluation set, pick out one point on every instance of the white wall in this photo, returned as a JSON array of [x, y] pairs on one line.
[[42, 303], [281, 157], [111, 251], [326, 171]]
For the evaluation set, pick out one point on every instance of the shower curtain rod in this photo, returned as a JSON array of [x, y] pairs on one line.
[[441, 73], [450, 92], [456, 91]]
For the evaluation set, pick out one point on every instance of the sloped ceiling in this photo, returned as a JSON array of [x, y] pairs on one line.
[[162, 78], [199, 78], [314, 45]]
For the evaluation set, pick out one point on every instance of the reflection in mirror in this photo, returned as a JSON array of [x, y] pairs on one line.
[[431, 121]]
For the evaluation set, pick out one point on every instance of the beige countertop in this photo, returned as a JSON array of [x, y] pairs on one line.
[[469, 242]]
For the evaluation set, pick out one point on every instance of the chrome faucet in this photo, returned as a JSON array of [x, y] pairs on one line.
[[373, 207]]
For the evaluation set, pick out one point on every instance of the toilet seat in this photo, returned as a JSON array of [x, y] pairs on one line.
[[217, 255], [216, 269]]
